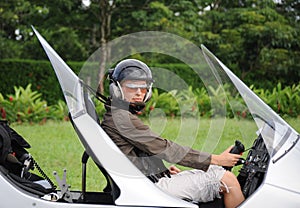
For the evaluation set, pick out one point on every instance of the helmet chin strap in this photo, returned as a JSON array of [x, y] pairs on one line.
[[136, 107], [133, 107]]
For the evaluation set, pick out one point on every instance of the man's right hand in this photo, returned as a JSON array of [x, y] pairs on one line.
[[225, 159]]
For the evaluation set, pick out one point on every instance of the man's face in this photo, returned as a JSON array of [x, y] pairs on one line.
[[134, 90]]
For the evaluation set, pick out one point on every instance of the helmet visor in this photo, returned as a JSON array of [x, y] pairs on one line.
[[135, 86]]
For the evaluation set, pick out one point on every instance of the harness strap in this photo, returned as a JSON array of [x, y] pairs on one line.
[[98, 95], [155, 177]]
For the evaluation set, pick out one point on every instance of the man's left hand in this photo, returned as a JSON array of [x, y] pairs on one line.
[[174, 170]]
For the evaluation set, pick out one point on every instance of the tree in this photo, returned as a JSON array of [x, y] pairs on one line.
[[53, 18], [252, 37], [13, 15], [254, 41], [106, 9], [134, 16], [290, 9]]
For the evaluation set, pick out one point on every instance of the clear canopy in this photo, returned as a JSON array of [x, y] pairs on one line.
[[274, 130], [212, 72], [213, 75]]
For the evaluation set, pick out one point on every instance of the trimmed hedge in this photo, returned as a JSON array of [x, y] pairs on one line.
[[38, 73], [182, 71], [41, 76]]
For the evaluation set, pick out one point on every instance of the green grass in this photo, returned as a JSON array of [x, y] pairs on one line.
[[55, 145]]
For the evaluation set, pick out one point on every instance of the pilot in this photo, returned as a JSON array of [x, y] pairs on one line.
[[130, 88]]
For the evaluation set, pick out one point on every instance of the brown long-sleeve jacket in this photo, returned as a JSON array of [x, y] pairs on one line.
[[131, 135]]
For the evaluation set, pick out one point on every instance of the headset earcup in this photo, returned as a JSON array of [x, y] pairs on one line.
[[114, 91]]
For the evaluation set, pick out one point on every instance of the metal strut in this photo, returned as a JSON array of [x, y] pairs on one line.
[[64, 187]]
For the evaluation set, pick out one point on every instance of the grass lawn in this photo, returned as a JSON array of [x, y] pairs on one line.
[[55, 145]]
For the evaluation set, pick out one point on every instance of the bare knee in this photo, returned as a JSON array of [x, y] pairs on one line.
[[230, 180], [231, 188]]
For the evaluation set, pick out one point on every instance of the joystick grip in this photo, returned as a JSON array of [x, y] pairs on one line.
[[238, 149]]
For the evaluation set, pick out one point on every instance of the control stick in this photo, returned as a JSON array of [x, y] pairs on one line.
[[238, 149]]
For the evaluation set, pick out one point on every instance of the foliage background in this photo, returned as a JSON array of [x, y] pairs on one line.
[[257, 39], [27, 105]]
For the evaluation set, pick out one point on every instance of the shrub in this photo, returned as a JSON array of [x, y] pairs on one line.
[[59, 111], [164, 101], [203, 102], [284, 101], [24, 105]]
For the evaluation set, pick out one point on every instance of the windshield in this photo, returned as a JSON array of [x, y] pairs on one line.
[[274, 130], [214, 75]]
